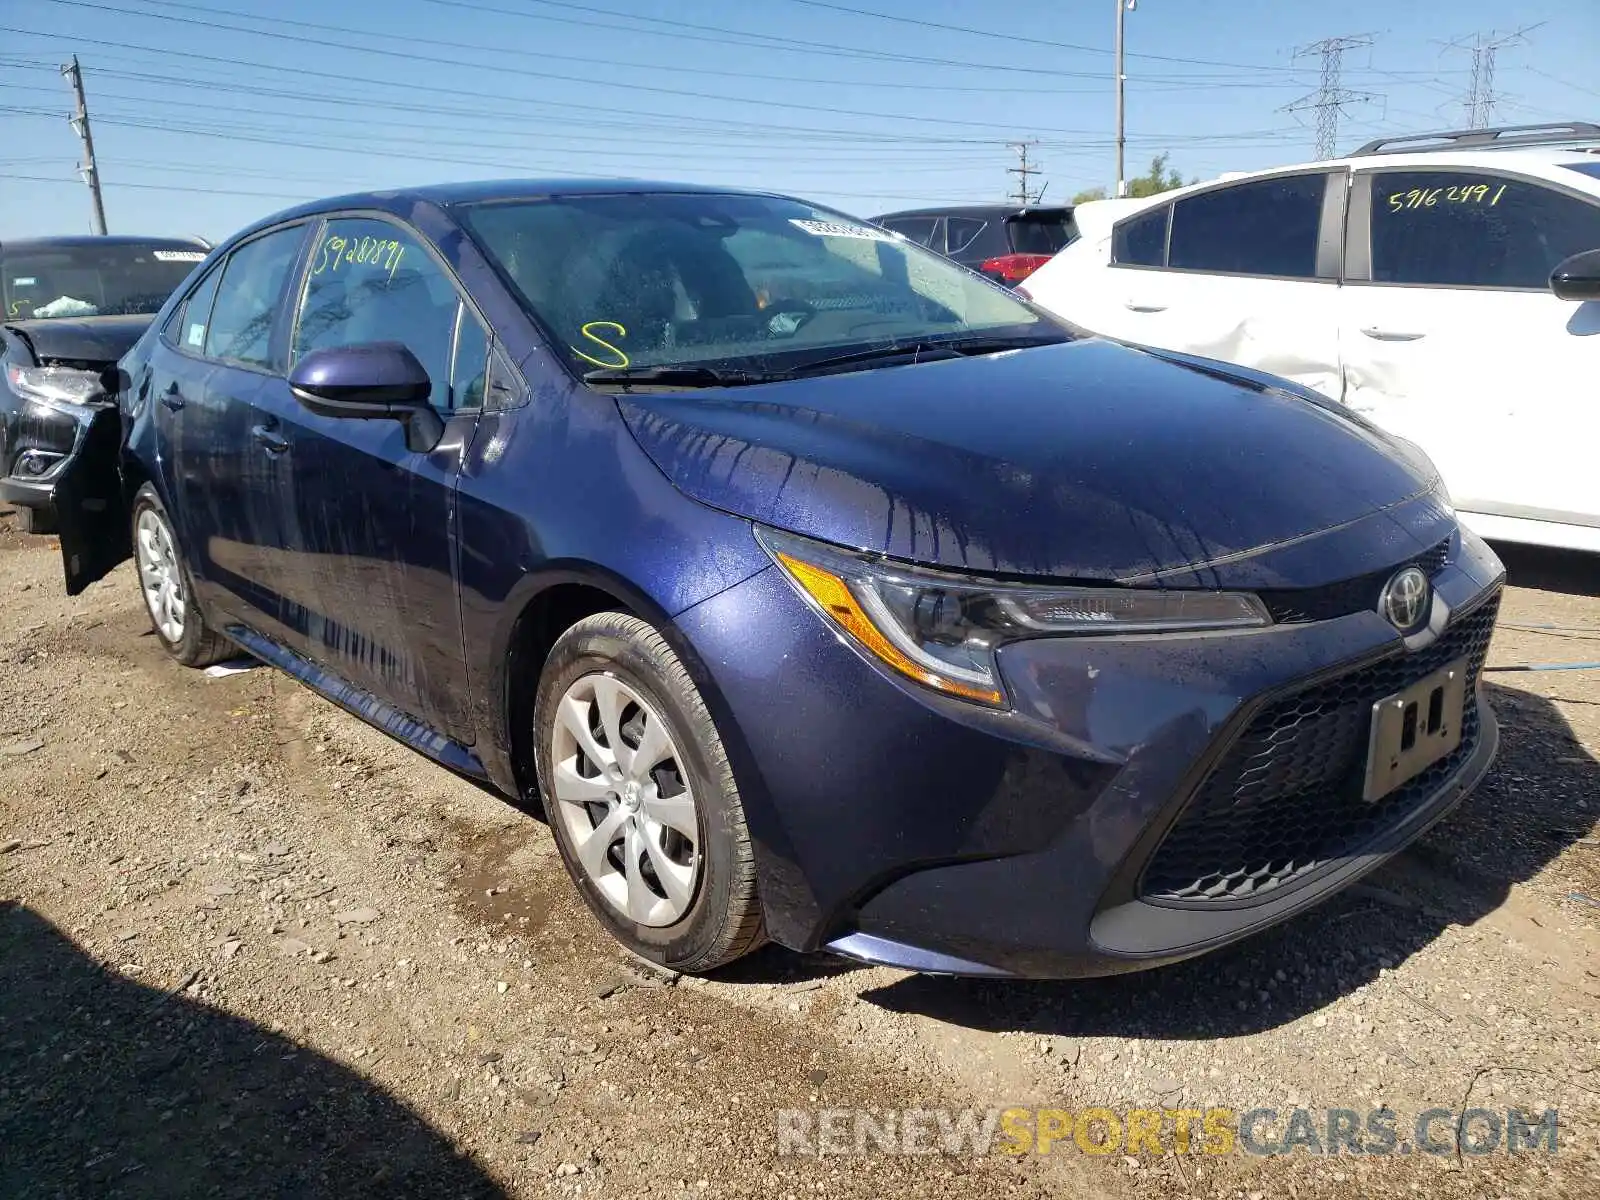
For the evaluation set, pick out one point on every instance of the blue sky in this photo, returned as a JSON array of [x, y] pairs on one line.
[[207, 117]]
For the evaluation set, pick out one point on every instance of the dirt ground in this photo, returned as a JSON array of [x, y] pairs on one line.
[[249, 947]]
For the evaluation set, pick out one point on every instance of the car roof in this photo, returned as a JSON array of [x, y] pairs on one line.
[[398, 201], [74, 241], [446, 195], [963, 210], [1551, 163]]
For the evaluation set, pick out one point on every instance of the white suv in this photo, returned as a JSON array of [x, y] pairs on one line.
[[1447, 286]]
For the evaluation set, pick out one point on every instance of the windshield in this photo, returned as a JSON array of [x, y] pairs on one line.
[[1040, 233], [750, 282], [93, 280]]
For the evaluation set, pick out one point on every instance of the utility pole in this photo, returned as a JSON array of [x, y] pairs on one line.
[[1023, 195], [1481, 99], [1124, 7], [80, 122], [1330, 99]]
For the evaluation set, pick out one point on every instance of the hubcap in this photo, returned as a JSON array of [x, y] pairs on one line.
[[160, 576], [623, 796]]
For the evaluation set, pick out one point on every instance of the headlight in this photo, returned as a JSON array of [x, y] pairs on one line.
[[54, 385], [943, 630]]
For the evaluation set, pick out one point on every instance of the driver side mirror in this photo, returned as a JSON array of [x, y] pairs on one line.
[[367, 382], [1578, 277]]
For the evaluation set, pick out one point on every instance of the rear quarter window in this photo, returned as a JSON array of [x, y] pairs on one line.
[[1141, 241]]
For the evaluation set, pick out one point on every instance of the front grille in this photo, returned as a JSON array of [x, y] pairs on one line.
[[1285, 799], [1293, 606]]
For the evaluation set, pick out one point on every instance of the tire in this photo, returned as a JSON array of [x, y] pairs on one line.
[[35, 520], [615, 660], [196, 644]]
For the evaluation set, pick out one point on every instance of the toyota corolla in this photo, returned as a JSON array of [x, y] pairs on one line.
[[821, 591]]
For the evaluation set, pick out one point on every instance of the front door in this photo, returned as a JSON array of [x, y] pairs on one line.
[[370, 587], [1453, 340]]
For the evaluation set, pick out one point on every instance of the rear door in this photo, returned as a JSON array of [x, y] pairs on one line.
[[369, 584], [920, 230], [1246, 272], [972, 239], [224, 467], [1454, 341]]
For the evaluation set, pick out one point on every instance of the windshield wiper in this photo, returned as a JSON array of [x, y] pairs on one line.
[[685, 377], [930, 351]]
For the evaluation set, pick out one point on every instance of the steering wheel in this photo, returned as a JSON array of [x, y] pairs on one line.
[[783, 318]]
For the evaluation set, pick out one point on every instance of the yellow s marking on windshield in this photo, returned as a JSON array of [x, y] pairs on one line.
[[621, 359]]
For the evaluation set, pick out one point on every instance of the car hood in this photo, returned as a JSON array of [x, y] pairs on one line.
[[86, 339], [1089, 460]]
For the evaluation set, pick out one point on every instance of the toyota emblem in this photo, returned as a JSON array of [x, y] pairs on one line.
[[1404, 602]]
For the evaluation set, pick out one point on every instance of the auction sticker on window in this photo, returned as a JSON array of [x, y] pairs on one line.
[[840, 229], [180, 255]]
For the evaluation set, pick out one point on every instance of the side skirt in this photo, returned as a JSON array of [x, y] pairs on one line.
[[379, 713]]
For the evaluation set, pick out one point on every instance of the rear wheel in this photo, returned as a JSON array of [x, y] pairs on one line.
[[641, 798], [168, 593]]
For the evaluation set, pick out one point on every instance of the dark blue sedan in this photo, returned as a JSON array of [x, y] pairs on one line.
[[820, 590]]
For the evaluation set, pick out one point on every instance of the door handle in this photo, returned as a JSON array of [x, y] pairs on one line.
[[172, 397], [1134, 306], [268, 438], [1391, 335]]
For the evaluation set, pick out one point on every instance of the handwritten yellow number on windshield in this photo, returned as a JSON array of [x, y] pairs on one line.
[[1465, 193], [620, 357]]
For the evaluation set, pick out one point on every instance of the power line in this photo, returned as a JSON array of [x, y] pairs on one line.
[[724, 36], [1031, 41], [1577, 87], [1331, 98], [1023, 172], [433, 58], [671, 67]]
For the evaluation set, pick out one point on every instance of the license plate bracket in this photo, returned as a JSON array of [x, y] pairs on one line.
[[1414, 728]]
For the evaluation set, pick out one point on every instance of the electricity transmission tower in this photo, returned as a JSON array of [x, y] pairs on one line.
[[1023, 195], [1331, 98], [1481, 99]]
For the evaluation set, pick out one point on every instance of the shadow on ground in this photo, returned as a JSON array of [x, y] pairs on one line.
[[1524, 814], [112, 1089]]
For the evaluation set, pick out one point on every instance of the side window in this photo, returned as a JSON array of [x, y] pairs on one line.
[[916, 229], [189, 321], [1263, 227], [240, 326], [1464, 229], [961, 232], [371, 281], [470, 369], [1141, 241]]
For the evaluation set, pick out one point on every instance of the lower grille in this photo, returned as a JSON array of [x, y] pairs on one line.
[[1285, 799]]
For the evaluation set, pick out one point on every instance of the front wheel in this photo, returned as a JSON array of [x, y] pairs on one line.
[[641, 798], [168, 593]]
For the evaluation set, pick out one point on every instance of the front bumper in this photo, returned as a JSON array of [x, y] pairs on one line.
[[36, 442], [895, 825]]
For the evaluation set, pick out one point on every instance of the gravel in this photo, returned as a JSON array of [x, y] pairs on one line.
[[268, 1031]]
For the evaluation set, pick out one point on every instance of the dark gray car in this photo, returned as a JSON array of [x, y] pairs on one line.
[[1004, 242]]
